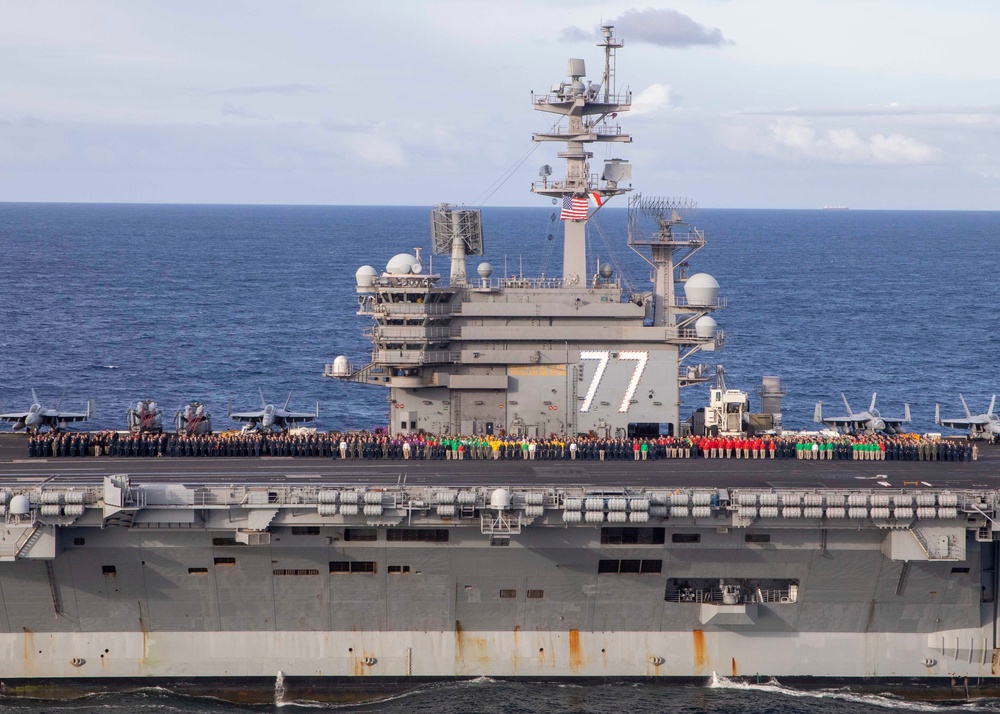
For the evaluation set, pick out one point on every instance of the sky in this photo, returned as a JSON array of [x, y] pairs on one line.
[[872, 104]]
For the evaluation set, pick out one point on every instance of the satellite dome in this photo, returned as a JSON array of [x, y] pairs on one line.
[[401, 264], [701, 289], [341, 367], [500, 499], [485, 270], [606, 271], [365, 276], [705, 326], [19, 505]]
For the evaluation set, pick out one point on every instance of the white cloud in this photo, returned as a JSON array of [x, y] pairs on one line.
[[652, 98], [798, 139], [377, 150]]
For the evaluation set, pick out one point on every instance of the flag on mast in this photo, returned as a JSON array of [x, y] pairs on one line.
[[597, 199], [574, 209]]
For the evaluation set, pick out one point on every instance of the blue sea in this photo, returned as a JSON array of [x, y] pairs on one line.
[[118, 303], [211, 303]]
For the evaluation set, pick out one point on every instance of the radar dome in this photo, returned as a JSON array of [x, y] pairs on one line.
[[485, 270], [500, 499], [606, 271], [365, 276], [341, 367], [19, 505], [401, 264], [701, 289], [705, 326]]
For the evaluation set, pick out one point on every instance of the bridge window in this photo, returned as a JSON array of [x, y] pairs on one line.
[[686, 538]]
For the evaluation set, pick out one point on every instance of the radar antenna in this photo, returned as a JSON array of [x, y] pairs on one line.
[[457, 232]]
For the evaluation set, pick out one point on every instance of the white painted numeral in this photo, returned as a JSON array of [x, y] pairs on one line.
[[641, 359], [603, 357]]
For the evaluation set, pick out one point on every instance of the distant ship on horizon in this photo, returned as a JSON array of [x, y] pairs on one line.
[[836, 208]]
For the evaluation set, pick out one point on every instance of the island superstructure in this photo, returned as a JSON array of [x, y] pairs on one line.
[[535, 356]]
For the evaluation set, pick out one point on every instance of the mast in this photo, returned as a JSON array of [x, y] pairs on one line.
[[589, 110]]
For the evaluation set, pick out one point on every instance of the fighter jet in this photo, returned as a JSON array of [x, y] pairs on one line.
[[980, 426], [145, 416], [869, 421], [270, 417], [193, 419], [39, 416]]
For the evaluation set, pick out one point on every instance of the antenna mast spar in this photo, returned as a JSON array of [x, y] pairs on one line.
[[589, 110]]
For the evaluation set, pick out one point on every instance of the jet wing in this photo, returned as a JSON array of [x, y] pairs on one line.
[[247, 416], [846, 420], [298, 416], [13, 416], [965, 423]]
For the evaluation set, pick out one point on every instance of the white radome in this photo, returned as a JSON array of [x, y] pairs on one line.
[[706, 326], [701, 289], [401, 264]]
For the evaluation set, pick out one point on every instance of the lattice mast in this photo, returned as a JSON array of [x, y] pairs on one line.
[[589, 109]]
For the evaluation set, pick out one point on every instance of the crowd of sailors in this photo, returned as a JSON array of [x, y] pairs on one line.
[[372, 446]]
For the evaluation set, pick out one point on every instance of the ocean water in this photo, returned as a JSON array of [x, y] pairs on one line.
[[486, 696], [176, 303], [212, 303]]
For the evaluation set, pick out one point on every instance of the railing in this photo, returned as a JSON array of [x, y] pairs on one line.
[[404, 332], [413, 357], [407, 308], [624, 99], [682, 301], [690, 236]]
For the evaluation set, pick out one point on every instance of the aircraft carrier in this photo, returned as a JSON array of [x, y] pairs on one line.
[[323, 578]]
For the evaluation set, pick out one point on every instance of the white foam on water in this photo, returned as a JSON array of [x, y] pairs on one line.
[[886, 701]]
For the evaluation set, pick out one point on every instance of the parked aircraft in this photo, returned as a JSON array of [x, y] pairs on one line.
[[868, 421], [270, 417], [144, 416], [980, 426], [39, 416]]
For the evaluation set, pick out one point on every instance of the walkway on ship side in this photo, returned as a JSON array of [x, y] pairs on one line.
[[984, 473]]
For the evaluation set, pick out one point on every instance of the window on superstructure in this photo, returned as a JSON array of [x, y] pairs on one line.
[[535, 594], [79, 541], [508, 594], [197, 571], [109, 570], [225, 561], [398, 569], [295, 571]]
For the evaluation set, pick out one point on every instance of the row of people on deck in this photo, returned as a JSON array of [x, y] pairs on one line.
[[369, 446]]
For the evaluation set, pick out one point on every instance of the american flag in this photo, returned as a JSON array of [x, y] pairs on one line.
[[574, 209]]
